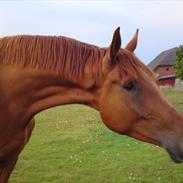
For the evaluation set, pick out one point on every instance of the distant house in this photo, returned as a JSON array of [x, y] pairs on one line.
[[164, 66]]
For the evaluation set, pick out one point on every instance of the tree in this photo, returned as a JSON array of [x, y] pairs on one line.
[[179, 62]]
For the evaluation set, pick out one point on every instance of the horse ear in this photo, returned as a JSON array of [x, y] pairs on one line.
[[109, 60], [131, 46], [116, 43]]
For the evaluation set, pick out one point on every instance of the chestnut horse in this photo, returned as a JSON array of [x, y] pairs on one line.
[[39, 72]]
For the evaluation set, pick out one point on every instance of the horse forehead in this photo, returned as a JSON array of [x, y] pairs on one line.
[[149, 75], [147, 82]]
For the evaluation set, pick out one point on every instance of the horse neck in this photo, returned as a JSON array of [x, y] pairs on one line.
[[36, 90], [53, 90]]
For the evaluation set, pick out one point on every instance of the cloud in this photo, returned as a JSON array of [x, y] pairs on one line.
[[160, 22]]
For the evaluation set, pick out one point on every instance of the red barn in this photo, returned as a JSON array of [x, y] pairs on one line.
[[163, 65]]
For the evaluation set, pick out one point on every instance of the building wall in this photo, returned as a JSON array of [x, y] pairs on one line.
[[165, 70], [167, 82]]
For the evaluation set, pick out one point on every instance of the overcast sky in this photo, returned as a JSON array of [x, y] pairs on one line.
[[160, 22]]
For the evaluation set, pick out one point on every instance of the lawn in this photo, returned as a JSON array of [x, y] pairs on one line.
[[70, 144]]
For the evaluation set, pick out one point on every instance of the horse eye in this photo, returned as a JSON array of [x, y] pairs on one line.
[[130, 86]]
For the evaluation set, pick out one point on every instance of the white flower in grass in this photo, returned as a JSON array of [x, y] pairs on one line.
[[129, 177], [118, 154], [131, 173]]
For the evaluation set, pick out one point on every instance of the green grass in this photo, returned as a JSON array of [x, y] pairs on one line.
[[70, 144]]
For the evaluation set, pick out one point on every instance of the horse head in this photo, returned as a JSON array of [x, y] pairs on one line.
[[133, 104]]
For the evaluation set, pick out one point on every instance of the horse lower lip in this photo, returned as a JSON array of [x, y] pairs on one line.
[[174, 157], [177, 160]]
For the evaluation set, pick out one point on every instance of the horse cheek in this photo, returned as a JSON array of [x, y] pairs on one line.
[[115, 113]]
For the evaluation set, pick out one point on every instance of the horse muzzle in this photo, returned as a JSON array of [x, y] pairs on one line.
[[175, 154], [172, 141]]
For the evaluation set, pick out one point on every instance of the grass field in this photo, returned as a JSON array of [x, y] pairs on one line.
[[70, 144]]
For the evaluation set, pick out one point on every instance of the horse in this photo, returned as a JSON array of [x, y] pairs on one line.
[[40, 72]]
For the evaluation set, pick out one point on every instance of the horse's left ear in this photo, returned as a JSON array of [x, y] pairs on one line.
[[116, 43], [131, 46], [114, 47]]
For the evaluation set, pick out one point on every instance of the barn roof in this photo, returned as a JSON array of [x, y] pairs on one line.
[[167, 57]]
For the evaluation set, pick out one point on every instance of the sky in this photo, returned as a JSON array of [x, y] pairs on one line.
[[160, 23]]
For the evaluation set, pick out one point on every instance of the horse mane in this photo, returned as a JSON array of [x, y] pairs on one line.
[[61, 55], [58, 54]]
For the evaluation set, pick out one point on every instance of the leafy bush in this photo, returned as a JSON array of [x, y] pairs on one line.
[[179, 62]]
